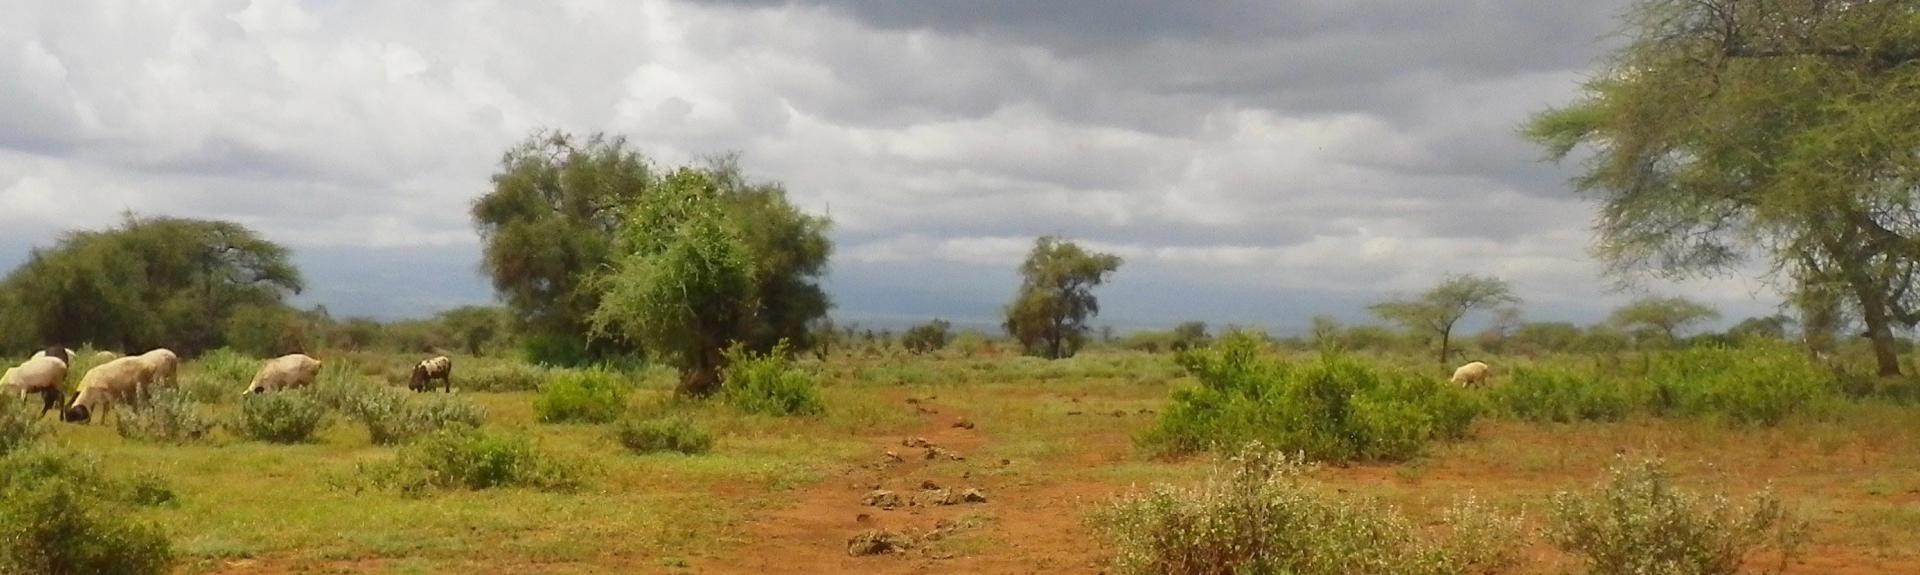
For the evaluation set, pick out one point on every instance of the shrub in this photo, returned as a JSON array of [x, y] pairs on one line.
[[280, 417], [468, 458], [503, 378], [664, 434], [1761, 385], [1256, 515], [770, 384], [590, 396], [1638, 522], [19, 422], [218, 376], [168, 417], [58, 515], [393, 416], [927, 337], [1334, 409], [1559, 395]]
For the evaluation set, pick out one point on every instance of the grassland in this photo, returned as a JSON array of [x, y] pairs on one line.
[[1048, 441]]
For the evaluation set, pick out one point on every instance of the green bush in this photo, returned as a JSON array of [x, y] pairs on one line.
[[474, 459], [168, 417], [769, 384], [218, 376], [19, 422], [1761, 385], [58, 515], [1333, 409], [1638, 522], [1560, 395], [280, 417], [504, 378], [588, 396], [664, 434], [393, 416], [1256, 515]]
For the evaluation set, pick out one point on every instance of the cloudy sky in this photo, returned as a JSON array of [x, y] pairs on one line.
[[1255, 162]]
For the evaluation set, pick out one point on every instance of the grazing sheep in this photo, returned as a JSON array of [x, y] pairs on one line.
[[120, 380], [164, 365], [41, 376], [285, 372], [425, 372], [1472, 374], [105, 356]]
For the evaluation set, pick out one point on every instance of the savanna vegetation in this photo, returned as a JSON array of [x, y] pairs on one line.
[[664, 387]]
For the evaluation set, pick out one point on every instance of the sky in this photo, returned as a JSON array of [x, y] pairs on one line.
[[1254, 163]]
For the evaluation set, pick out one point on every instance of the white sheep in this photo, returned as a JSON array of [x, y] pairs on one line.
[[164, 365], [285, 372], [426, 371], [120, 380], [42, 376], [1472, 374], [65, 355], [104, 356]]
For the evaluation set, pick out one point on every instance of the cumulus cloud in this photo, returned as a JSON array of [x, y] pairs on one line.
[[1286, 157]]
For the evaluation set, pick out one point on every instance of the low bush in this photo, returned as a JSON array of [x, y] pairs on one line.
[[664, 434], [474, 459], [769, 384], [1256, 515], [218, 376], [1637, 521], [587, 396], [1761, 385], [168, 417], [393, 416], [19, 422], [1559, 395], [279, 417], [58, 515], [1333, 409], [504, 378]]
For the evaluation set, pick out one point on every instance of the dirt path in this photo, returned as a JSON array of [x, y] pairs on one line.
[[1019, 529]]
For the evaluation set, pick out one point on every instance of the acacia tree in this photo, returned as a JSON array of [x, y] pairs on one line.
[[1664, 316], [151, 282], [1726, 130], [1049, 314], [1434, 314], [549, 221], [684, 285]]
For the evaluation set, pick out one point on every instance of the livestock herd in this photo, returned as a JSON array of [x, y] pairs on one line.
[[133, 379]]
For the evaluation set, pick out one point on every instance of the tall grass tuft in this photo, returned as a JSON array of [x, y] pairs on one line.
[[1257, 515], [218, 376], [280, 417], [19, 422], [1637, 521], [770, 384], [1333, 409], [58, 514], [585, 396], [168, 417], [670, 434], [474, 459]]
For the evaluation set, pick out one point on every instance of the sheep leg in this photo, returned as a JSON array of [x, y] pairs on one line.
[[448, 380]]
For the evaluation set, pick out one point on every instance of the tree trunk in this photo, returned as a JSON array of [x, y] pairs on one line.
[[1873, 311], [1446, 343], [703, 379]]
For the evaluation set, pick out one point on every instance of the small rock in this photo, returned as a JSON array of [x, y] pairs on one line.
[[938, 497], [1006, 462], [973, 496], [1145, 411], [928, 485], [895, 457], [1119, 413], [916, 442], [913, 401], [939, 452], [881, 498], [926, 411], [876, 542], [963, 423], [863, 518], [1073, 413]]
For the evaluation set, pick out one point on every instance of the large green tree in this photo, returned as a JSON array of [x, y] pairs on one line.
[[555, 218], [1049, 314], [549, 222], [684, 286], [1435, 313], [150, 282], [1726, 130], [1662, 318]]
